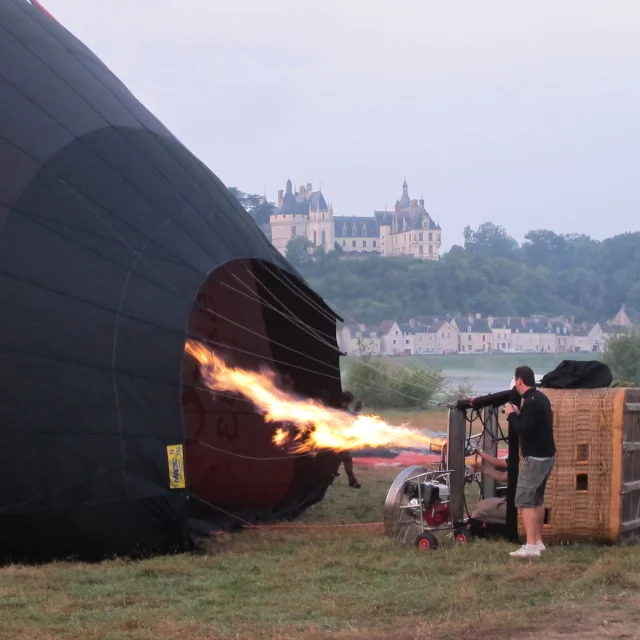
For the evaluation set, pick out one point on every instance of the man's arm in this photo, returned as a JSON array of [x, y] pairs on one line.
[[524, 421], [500, 476], [492, 460]]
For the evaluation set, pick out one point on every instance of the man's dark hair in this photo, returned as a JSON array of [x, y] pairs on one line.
[[526, 375]]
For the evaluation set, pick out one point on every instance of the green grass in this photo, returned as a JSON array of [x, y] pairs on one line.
[[344, 583]]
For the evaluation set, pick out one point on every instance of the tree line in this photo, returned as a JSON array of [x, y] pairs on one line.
[[549, 274]]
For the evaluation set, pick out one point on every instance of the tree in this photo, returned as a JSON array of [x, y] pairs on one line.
[[381, 385], [258, 207], [622, 354], [300, 252], [489, 240]]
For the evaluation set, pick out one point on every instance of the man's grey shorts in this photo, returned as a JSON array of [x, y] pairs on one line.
[[532, 481]]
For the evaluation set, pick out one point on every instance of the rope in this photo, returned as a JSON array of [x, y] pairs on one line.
[[355, 525], [248, 525]]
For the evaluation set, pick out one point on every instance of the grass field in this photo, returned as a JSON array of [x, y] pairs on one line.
[[342, 583]]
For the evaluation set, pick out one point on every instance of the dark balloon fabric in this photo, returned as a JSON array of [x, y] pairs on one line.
[[116, 245], [575, 374]]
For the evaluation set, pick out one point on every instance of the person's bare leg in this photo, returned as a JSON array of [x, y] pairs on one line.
[[540, 523], [530, 521], [348, 467]]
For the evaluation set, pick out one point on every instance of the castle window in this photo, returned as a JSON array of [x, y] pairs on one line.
[[364, 243], [364, 229], [420, 236], [324, 238], [293, 232], [354, 231], [314, 238], [344, 229], [353, 243], [421, 249], [431, 237], [430, 249], [374, 243], [344, 243]]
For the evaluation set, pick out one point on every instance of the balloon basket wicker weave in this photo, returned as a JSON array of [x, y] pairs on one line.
[[593, 493]]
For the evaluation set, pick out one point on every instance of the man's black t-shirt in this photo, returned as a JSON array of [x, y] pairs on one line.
[[534, 425]]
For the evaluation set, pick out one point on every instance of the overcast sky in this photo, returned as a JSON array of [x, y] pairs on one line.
[[520, 113]]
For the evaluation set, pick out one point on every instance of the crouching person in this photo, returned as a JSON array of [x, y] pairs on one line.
[[490, 515]]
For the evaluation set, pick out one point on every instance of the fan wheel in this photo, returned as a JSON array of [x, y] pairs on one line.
[[462, 536], [427, 542]]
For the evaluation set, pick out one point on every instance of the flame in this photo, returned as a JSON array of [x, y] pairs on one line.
[[318, 426]]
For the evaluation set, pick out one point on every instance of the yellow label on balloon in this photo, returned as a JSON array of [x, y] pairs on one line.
[[176, 467]]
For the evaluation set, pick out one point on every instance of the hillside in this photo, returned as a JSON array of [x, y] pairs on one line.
[[548, 274]]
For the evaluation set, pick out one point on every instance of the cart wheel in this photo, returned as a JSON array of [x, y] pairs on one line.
[[426, 541], [462, 536]]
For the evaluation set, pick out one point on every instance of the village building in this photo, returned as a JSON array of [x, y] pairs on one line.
[[359, 339], [424, 335], [474, 334], [627, 317]]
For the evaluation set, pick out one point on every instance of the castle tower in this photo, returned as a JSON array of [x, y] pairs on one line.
[[320, 229], [289, 220]]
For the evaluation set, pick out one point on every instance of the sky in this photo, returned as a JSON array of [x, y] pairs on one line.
[[526, 115]]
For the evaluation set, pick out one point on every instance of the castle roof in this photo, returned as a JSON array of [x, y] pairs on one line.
[[405, 201], [355, 226], [317, 202], [303, 202]]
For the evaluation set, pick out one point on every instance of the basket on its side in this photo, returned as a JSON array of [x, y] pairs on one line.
[[594, 490]]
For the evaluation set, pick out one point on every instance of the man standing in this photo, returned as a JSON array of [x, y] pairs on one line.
[[533, 422]]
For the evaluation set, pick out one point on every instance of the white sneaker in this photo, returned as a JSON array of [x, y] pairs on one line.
[[526, 551], [541, 546]]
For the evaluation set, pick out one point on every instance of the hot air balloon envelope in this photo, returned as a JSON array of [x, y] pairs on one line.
[[116, 246]]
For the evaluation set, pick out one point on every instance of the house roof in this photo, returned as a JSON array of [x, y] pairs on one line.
[[385, 327], [633, 315], [473, 325], [405, 327], [501, 323]]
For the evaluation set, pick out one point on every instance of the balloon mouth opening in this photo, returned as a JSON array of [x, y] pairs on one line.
[[256, 317]]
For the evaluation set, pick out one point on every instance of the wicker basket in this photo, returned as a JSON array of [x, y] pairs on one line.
[[594, 490]]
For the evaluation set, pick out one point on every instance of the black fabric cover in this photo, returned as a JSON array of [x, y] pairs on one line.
[[109, 229], [489, 400], [577, 374]]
